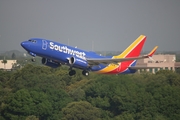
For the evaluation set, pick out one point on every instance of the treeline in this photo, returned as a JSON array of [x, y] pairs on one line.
[[41, 93]]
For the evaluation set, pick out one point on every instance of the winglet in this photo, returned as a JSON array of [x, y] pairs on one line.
[[152, 51]]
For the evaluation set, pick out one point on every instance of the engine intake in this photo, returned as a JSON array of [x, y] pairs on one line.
[[50, 63], [78, 62], [72, 60]]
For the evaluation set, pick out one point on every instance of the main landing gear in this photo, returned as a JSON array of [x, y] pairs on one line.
[[85, 73], [73, 72]]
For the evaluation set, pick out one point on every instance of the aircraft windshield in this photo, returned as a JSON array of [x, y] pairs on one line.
[[34, 41]]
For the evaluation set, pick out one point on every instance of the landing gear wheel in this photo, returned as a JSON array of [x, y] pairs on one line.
[[85, 73], [33, 59], [72, 72]]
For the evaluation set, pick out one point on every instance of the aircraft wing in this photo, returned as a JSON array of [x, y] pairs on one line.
[[97, 61]]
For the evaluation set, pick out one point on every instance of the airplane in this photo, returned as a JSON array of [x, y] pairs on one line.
[[55, 54]]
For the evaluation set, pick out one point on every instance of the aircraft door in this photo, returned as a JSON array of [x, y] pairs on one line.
[[44, 44]]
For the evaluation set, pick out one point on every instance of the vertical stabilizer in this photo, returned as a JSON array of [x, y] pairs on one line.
[[134, 49]]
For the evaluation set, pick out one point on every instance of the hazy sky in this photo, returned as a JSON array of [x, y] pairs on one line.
[[111, 24]]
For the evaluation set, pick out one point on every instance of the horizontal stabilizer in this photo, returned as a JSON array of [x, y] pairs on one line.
[[135, 68]]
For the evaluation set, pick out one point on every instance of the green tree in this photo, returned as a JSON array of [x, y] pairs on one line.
[[59, 99], [4, 61], [177, 70], [32, 117], [13, 56], [24, 103], [39, 92], [172, 78], [77, 94], [81, 110], [18, 105]]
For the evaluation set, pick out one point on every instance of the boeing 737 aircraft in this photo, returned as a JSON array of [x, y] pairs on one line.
[[55, 54]]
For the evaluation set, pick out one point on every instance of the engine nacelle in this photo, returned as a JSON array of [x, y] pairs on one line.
[[78, 62], [50, 63]]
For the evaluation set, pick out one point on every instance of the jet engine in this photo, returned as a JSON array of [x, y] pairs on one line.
[[78, 62], [50, 63]]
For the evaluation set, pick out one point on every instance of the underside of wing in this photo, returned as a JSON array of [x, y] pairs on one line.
[[97, 61]]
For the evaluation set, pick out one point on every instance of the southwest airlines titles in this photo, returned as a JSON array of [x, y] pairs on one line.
[[67, 50]]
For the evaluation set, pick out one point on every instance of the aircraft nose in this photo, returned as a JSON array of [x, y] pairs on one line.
[[24, 44]]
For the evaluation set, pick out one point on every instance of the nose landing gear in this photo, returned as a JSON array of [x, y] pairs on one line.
[[33, 59], [34, 55]]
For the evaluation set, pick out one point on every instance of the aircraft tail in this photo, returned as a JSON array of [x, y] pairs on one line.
[[134, 49]]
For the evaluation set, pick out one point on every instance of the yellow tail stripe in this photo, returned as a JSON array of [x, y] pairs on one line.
[[130, 48]]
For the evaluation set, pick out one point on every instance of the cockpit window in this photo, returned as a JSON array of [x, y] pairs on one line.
[[33, 41]]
